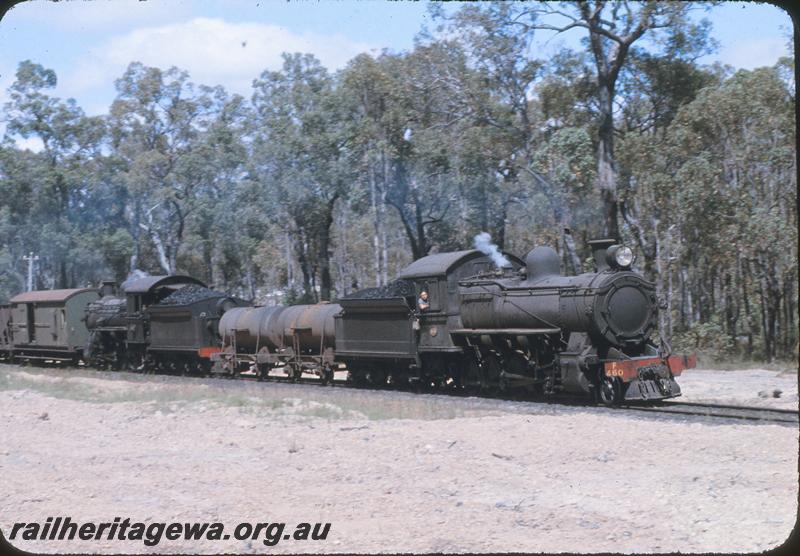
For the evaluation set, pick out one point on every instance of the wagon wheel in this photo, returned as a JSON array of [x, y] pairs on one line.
[[377, 377], [399, 379], [357, 376], [327, 376], [295, 372]]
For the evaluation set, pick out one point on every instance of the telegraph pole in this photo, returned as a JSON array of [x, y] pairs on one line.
[[31, 258]]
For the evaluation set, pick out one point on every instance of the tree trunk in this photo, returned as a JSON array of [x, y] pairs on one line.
[[570, 249], [606, 166], [379, 233], [324, 255]]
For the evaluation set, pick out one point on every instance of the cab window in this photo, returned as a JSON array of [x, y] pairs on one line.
[[432, 287]]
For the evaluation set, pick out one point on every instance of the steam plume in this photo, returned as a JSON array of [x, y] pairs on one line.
[[483, 243]]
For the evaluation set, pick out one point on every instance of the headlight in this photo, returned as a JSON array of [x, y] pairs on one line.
[[623, 256]]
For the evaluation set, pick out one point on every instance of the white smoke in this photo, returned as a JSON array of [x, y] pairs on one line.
[[136, 274], [483, 243]]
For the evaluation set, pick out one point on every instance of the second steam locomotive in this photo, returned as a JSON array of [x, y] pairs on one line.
[[520, 326]]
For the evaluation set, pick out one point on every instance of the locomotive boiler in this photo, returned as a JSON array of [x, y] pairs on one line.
[[615, 306]]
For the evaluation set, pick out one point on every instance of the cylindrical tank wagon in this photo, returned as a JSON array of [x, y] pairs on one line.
[[299, 338]]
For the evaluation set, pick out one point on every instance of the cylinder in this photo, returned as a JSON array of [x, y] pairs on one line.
[[307, 327]]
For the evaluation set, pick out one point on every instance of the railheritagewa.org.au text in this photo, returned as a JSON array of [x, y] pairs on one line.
[[153, 533]]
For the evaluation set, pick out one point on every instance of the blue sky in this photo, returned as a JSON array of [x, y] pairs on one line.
[[229, 42]]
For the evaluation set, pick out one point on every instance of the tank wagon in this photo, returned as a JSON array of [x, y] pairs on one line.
[[299, 338], [49, 325]]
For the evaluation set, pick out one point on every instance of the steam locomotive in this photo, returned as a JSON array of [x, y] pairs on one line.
[[522, 326]]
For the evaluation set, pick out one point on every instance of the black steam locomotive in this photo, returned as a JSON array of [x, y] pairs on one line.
[[522, 326]]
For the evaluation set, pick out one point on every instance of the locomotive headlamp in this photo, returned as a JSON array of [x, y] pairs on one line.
[[624, 256], [620, 256]]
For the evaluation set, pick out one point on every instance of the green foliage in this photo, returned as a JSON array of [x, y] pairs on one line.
[[708, 338]]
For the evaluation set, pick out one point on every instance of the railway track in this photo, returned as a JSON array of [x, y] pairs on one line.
[[665, 407], [708, 410], [722, 411]]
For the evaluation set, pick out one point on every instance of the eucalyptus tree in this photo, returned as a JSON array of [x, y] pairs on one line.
[[612, 29], [59, 176], [402, 113], [156, 121], [715, 191], [511, 103], [302, 160], [221, 234], [737, 166], [377, 123]]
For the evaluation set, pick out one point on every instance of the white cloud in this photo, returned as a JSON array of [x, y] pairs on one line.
[[213, 51], [95, 14], [754, 53]]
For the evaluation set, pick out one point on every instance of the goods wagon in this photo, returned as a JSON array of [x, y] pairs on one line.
[[50, 325]]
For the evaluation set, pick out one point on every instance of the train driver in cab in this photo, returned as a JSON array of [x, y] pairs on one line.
[[422, 302]]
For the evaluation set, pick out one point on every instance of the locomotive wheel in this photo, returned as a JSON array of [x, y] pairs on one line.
[[610, 391], [473, 374], [490, 377], [502, 385]]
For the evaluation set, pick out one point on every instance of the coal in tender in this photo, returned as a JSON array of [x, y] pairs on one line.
[[397, 288], [188, 294]]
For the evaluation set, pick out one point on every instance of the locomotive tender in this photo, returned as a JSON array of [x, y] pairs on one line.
[[523, 326]]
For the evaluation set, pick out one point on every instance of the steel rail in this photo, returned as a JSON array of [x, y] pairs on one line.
[[722, 411]]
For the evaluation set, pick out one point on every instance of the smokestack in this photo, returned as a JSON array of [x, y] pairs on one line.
[[483, 243], [599, 249], [108, 287]]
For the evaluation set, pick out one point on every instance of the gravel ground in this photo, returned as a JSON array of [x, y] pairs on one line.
[[393, 472], [754, 387]]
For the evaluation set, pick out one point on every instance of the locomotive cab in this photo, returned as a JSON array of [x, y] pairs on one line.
[[381, 333]]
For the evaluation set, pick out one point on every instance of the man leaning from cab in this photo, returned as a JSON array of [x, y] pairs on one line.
[[422, 302]]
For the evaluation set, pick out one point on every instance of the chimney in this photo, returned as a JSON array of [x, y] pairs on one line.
[[108, 287], [599, 248]]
